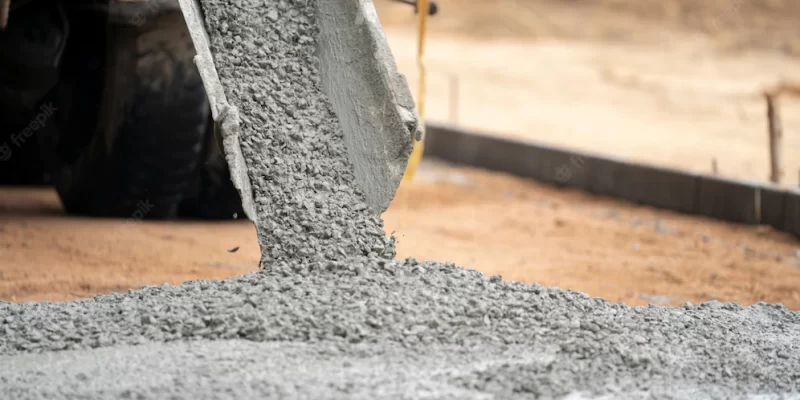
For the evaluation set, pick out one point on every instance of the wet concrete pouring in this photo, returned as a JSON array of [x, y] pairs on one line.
[[376, 329], [332, 316]]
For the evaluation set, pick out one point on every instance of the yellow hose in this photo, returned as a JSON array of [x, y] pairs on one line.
[[419, 146]]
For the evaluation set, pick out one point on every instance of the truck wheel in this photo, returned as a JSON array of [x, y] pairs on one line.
[[31, 48], [214, 196], [132, 118]]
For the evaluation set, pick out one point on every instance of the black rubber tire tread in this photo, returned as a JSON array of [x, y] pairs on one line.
[[150, 127], [215, 197], [19, 166], [28, 71]]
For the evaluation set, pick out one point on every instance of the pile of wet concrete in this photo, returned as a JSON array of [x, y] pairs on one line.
[[333, 316], [368, 328]]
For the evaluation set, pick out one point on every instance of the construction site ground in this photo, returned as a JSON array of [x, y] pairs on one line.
[[671, 82], [495, 223]]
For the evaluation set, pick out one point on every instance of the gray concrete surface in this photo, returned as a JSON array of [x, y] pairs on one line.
[[322, 320], [371, 98], [309, 204], [333, 54], [369, 328]]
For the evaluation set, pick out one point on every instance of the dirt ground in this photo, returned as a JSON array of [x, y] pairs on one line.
[[495, 223], [671, 82], [676, 83]]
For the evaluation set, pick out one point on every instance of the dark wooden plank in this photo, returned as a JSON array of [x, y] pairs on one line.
[[727, 200], [605, 176], [565, 168], [658, 187], [444, 144], [723, 199], [792, 222], [541, 163], [502, 155], [773, 207]]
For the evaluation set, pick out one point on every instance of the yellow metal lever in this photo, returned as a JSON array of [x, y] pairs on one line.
[[416, 154]]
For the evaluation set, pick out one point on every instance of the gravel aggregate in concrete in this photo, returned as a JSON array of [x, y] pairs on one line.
[[424, 326], [331, 317], [307, 203]]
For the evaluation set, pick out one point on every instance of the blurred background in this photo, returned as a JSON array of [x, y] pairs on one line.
[[673, 83], [677, 83]]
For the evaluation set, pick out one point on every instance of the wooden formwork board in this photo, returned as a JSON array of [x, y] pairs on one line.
[[792, 222], [774, 207], [728, 200], [724, 199]]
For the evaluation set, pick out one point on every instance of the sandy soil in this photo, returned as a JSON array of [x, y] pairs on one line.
[[494, 223], [46, 255], [531, 232], [676, 83]]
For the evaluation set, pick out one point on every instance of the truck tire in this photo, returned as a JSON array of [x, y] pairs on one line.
[[214, 196], [31, 48], [132, 119]]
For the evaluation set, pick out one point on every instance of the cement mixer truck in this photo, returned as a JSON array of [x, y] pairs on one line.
[[102, 99]]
